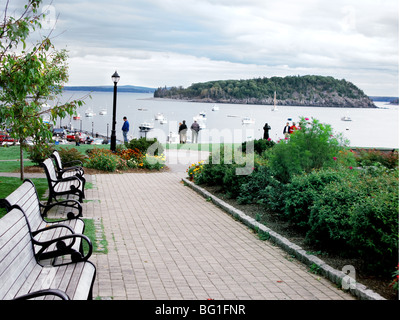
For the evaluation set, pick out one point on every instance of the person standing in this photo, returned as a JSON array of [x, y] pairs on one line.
[[182, 132], [125, 129], [293, 128], [195, 131], [286, 130], [77, 139], [266, 131]]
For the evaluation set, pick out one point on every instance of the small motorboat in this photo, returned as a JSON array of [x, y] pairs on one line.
[[89, 113], [247, 120], [145, 126], [346, 118], [77, 117], [103, 112], [215, 108], [159, 116]]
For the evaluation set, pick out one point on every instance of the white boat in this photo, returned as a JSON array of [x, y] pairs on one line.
[[159, 116], [173, 138], [275, 108], [103, 112], [146, 126], [247, 120], [163, 121], [215, 108], [200, 117], [346, 118], [89, 113]]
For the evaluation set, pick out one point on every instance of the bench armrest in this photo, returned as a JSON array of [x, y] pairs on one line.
[[41, 293], [79, 171], [35, 233], [73, 178], [64, 249]]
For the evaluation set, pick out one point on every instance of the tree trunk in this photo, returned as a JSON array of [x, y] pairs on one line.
[[21, 158]]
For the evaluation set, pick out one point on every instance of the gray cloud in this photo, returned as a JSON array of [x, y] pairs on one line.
[[178, 42]]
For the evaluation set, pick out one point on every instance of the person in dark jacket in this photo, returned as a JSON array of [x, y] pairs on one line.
[[286, 130], [266, 131], [195, 131], [125, 129], [182, 132]]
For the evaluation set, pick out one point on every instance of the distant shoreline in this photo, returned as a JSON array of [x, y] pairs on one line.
[[148, 90]]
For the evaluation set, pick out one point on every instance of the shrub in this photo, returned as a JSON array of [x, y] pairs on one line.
[[70, 155], [313, 146], [232, 181], [102, 159], [249, 192], [374, 221], [372, 157], [146, 146], [213, 170], [195, 170], [358, 214], [259, 146], [128, 154], [329, 221], [153, 162], [299, 194], [39, 152]]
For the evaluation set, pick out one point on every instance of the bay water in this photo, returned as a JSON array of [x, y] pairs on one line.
[[372, 128]]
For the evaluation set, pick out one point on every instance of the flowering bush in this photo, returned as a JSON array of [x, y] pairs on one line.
[[103, 159], [152, 162], [372, 157], [395, 282], [313, 146], [195, 170], [128, 154]]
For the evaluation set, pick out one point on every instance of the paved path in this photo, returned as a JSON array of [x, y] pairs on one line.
[[167, 242]]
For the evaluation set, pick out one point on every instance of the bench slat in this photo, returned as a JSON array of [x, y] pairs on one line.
[[26, 197], [20, 273]]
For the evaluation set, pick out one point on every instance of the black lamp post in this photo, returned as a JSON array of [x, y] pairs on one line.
[[115, 78]]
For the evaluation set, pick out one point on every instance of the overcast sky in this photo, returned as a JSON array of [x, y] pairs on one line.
[[179, 42]]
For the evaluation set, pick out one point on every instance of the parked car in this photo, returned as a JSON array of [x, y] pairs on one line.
[[5, 137], [60, 132], [71, 137]]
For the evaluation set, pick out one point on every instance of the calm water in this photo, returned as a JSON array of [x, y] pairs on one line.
[[368, 128]]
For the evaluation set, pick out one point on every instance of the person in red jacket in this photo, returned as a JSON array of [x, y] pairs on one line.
[[292, 128]]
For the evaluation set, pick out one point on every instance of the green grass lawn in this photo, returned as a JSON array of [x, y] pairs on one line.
[[8, 185]]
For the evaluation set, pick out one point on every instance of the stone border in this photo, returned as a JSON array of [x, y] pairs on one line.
[[358, 290]]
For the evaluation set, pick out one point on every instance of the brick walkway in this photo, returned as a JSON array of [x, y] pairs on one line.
[[167, 242]]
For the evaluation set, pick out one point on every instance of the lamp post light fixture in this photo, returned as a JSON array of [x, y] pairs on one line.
[[115, 78]]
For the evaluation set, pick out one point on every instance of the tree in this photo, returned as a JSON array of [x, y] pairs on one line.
[[29, 78]]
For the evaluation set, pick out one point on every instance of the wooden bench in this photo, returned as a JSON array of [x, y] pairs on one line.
[[27, 199], [67, 169], [61, 186], [22, 277]]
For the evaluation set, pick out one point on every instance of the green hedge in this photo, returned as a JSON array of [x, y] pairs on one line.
[[353, 211]]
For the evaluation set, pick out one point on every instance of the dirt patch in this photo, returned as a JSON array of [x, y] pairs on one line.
[[272, 220]]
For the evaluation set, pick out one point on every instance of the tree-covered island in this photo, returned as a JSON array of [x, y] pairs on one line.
[[311, 90]]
